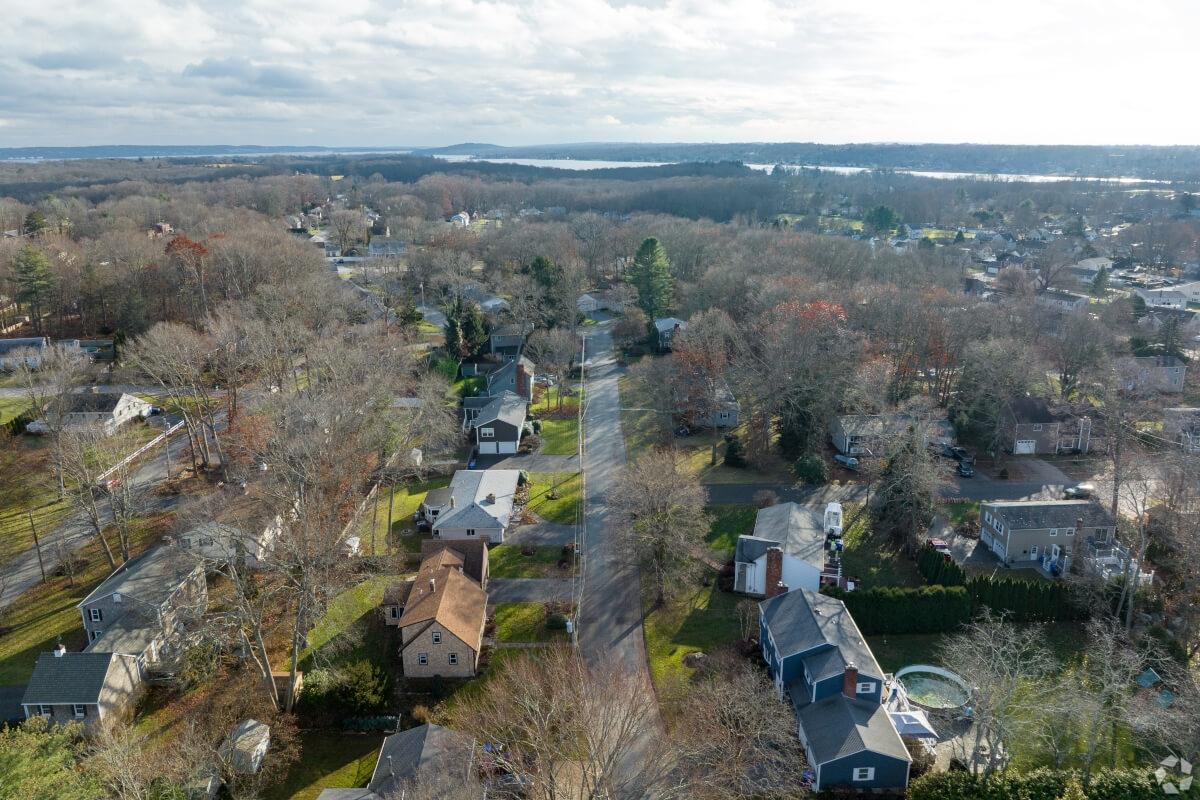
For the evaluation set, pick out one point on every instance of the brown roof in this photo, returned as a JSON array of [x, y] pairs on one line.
[[396, 593], [474, 554], [454, 601]]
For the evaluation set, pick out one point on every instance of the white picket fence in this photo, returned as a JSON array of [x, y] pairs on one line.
[[147, 446]]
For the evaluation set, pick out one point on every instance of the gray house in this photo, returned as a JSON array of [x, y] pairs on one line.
[[507, 340], [865, 434], [478, 505], [667, 328], [1044, 534], [140, 607], [514, 376], [419, 753], [1182, 426], [81, 687], [1154, 374], [1030, 427], [14, 352], [497, 427]]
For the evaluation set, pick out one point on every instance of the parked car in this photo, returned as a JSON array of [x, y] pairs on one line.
[[849, 462], [965, 469], [941, 546], [955, 452], [1080, 491]]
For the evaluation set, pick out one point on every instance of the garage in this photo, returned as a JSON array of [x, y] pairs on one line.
[[508, 447], [1024, 447], [487, 448]]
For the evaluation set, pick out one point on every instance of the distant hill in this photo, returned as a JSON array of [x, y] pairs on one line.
[[176, 151]]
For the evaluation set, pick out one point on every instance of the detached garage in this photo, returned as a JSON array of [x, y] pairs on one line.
[[1024, 447], [499, 424]]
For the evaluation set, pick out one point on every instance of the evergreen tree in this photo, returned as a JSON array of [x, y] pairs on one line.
[[466, 329], [1100, 283], [881, 219], [34, 281], [35, 223], [545, 271], [651, 276]]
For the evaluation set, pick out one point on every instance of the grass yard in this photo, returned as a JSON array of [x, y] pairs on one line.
[[956, 512], [525, 622], [702, 619], [870, 558], [555, 496], [560, 423], [404, 502], [728, 523], [352, 628], [11, 408], [507, 561], [1066, 640], [328, 760], [46, 612]]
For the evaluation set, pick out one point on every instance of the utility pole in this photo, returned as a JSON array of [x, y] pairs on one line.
[[37, 546]]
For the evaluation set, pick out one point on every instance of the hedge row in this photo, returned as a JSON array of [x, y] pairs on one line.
[[936, 568], [1042, 784], [893, 609]]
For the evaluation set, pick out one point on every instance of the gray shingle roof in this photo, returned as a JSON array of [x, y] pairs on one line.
[[93, 402], [28, 343], [72, 677], [750, 548], [800, 621], [507, 407], [406, 754], [150, 578], [1035, 514], [347, 794], [470, 488], [669, 323], [798, 530], [837, 726], [130, 634]]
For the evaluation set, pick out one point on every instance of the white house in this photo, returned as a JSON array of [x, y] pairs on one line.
[[221, 543], [461, 220], [478, 505], [101, 412], [29, 350], [590, 304], [1166, 297], [787, 547]]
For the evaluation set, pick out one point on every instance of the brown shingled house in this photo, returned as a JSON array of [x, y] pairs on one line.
[[442, 612]]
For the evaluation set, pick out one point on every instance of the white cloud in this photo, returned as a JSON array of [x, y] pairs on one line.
[[376, 72]]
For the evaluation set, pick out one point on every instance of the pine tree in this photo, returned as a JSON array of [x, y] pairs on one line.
[[34, 281], [651, 276]]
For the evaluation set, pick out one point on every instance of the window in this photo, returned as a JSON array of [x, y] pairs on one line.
[[487, 433], [1069, 531], [470, 531], [865, 687], [96, 615], [423, 659], [863, 774], [96, 633], [395, 612], [79, 711], [1033, 551], [45, 711], [1054, 531], [117, 597], [453, 659], [437, 637], [1037, 427]]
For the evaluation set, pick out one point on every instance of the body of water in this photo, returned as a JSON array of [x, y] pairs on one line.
[[558, 163]]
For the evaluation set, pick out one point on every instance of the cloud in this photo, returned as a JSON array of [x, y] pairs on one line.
[[376, 72]]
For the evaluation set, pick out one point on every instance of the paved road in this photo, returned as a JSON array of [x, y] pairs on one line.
[[528, 590], [22, 573], [101, 388]]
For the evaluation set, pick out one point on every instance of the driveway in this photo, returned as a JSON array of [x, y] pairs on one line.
[[531, 463], [541, 534], [528, 590]]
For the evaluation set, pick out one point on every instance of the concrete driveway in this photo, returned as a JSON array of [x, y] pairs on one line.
[[528, 590], [530, 463], [541, 534]]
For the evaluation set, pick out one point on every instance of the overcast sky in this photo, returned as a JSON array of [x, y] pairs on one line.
[[373, 73]]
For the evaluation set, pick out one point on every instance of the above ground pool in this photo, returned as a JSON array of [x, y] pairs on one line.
[[933, 687]]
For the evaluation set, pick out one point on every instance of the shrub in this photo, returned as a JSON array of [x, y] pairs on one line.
[[765, 498], [1041, 784], [556, 622], [894, 609], [735, 455], [811, 469], [421, 714], [358, 687]]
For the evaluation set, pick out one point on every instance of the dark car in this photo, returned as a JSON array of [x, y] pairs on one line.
[[955, 452], [965, 469], [1081, 491]]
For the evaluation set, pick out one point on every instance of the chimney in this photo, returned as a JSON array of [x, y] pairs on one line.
[[522, 379], [775, 584], [432, 585], [850, 680], [1079, 526], [491, 498], [452, 501], [60, 651]]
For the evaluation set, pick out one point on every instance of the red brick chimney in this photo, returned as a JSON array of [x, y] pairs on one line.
[[775, 584], [522, 379], [850, 681]]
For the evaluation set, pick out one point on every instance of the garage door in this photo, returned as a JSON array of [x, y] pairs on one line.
[[486, 448], [508, 447], [1024, 447]]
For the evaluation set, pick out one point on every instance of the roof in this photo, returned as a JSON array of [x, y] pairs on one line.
[[396, 593], [506, 407], [10, 703], [151, 578], [436, 498], [1035, 514], [92, 402], [407, 754], [347, 794], [453, 601], [668, 323], [130, 634], [469, 491], [243, 741], [836, 727], [1029, 409], [798, 530], [34, 342], [800, 621], [913, 723], [872, 424], [474, 554], [1159, 361], [72, 677]]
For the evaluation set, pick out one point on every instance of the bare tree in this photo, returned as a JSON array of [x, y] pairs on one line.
[[49, 387], [347, 228], [553, 350], [659, 515], [81, 473]]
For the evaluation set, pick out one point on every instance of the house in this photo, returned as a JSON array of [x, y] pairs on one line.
[[1030, 427], [474, 555], [409, 756], [859, 434], [479, 505], [29, 351], [386, 247], [1163, 297], [441, 628], [514, 376], [1085, 271], [590, 304], [141, 606], [103, 413], [720, 410], [460, 220], [499, 425], [788, 545], [1154, 373], [1181, 426], [667, 328], [488, 302], [1044, 534], [819, 660], [246, 747], [508, 340], [1063, 300], [81, 687], [218, 543]]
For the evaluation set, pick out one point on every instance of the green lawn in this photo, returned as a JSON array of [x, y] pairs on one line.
[[702, 619], [507, 561], [872, 559], [404, 504], [351, 628], [555, 496], [328, 760], [956, 512], [728, 523], [560, 423], [11, 408], [524, 622], [1066, 639]]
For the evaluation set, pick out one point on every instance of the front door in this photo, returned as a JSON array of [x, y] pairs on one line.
[[1033, 551]]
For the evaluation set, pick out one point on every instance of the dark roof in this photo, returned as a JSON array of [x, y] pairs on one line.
[[1159, 361], [396, 593], [1035, 514], [93, 402], [800, 621], [506, 407], [406, 754], [436, 498], [347, 794], [35, 343], [836, 727], [151, 578], [474, 554], [1032, 409], [72, 677], [10, 703], [751, 548]]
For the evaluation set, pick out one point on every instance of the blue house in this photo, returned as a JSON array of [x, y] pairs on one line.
[[820, 661]]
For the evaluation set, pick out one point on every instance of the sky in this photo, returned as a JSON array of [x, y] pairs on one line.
[[374, 73]]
